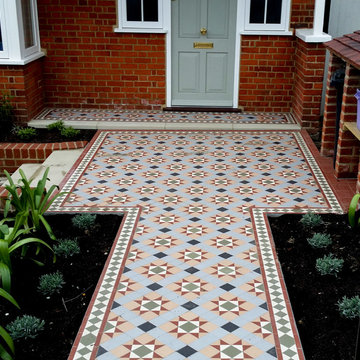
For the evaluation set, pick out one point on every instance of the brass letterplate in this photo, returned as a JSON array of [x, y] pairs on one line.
[[203, 45]]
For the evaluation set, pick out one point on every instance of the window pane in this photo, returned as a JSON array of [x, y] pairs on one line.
[[273, 13], [27, 17], [133, 10], [151, 10], [257, 11]]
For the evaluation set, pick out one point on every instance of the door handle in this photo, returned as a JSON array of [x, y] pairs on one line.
[[203, 31]]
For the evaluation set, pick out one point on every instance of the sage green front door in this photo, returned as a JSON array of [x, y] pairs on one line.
[[203, 52]]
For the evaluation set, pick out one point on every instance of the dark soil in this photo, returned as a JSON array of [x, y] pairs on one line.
[[324, 334], [81, 273], [47, 136]]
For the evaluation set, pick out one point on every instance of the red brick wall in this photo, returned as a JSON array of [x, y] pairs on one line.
[[302, 13], [89, 65], [308, 84], [266, 73], [24, 83]]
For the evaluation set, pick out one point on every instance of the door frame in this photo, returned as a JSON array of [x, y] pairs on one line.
[[167, 25]]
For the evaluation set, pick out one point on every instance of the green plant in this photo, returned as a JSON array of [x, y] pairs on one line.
[[320, 240], [26, 326], [311, 220], [58, 125], [354, 213], [49, 284], [329, 265], [6, 112], [31, 202], [66, 248], [7, 348], [26, 133], [84, 221], [10, 240], [349, 307], [69, 132]]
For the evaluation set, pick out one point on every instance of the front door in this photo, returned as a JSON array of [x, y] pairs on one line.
[[203, 52]]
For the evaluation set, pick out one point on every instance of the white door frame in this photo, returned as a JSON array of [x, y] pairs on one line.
[[167, 26]]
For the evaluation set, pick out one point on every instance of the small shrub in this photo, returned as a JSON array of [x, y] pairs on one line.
[[84, 221], [349, 307], [320, 240], [58, 125], [26, 133], [26, 326], [311, 220], [69, 132], [50, 284], [66, 248], [329, 265]]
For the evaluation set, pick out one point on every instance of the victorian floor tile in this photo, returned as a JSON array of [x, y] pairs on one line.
[[194, 274]]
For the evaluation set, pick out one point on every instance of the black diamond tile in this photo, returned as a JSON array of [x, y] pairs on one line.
[[272, 352], [194, 219], [281, 154], [126, 269], [230, 327], [186, 351], [220, 174], [223, 230], [101, 181], [177, 160], [262, 160], [264, 306], [287, 167], [144, 199], [165, 230], [270, 190], [193, 242], [93, 199], [175, 174], [266, 174], [179, 148], [248, 199], [222, 209], [221, 190], [225, 255], [298, 200], [150, 181], [242, 167], [227, 287], [244, 182], [134, 242], [197, 182], [169, 208], [220, 160], [123, 190], [135, 160], [196, 199], [192, 270], [115, 305], [252, 242], [172, 190], [257, 270], [154, 167], [101, 351], [158, 154], [198, 167], [248, 219], [190, 305], [129, 174], [259, 148], [292, 182], [147, 326], [154, 286], [160, 255]]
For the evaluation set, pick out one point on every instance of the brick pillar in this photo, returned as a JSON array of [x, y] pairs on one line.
[[347, 158], [358, 180], [24, 83], [329, 122], [308, 83]]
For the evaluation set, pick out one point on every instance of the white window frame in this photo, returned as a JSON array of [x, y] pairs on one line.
[[13, 34], [140, 26], [269, 29]]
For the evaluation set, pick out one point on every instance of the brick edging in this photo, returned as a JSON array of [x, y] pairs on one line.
[[13, 155]]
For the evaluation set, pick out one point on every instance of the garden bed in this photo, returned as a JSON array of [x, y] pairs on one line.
[[324, 333], [81, 273]]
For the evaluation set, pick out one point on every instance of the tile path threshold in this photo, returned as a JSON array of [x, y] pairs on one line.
[[163, 290]]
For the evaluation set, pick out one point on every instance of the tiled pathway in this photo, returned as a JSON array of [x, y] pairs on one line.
[[193, 273]]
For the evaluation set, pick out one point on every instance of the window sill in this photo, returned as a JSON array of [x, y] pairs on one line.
[[25, 61], [140, 30], [308, 36], [266, 32]]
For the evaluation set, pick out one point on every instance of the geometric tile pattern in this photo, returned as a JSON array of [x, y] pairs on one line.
[[117, 115], [200, 280]]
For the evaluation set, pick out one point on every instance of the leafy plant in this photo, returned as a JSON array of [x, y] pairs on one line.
[[10, 240], [6, 112], [26, 326], [26, 133], [349, 307], [69, 132], [329, 265], [311, 220], [354, 213], [58, 125], [320, 240], [84, 221], [49, 284], [31, 202], [66, 248], [7, 348]]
